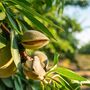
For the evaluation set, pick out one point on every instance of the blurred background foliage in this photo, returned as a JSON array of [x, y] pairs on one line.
[[85, 49]]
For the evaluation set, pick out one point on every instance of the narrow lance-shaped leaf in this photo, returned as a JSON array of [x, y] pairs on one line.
[[69, 74], [12, 22], [61, 7], [14, 50], [56, 58], [2, 12], [65, 83], [48, 3], [17, 83], [63, 2]]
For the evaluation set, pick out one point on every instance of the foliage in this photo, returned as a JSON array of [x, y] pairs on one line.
[[20, 17], [81, 3], [85, 49]]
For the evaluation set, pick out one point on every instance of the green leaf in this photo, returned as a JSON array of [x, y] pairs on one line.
[[20, 26], [61, 7], [61, 82], [56, 85], [2, 41], [63, 2], [65, 83], [36, 85], [25, 6], [2, 86], [48, 4], [18, 83], [8, 82], [2, 12], [56, 58], [14, 50], [69, 74], [12, 22], [48, 87], [24, 25], [28, 87]]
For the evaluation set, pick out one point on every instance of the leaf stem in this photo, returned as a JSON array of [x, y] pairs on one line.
[[5, 28]]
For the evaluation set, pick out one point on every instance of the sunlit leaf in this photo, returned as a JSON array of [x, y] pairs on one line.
[[69, 74], [65, 84], [2, 12], [14, 50], [12, 22], [56, 58]]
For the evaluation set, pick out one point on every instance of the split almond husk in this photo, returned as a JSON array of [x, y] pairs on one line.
[[33, 39], [28, 71], [8, 69], [7, 66], [43, 58], [5, 54], [39, 70], [35, 70]]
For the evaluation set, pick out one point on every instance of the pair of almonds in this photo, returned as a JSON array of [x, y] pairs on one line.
[[33, 39]]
